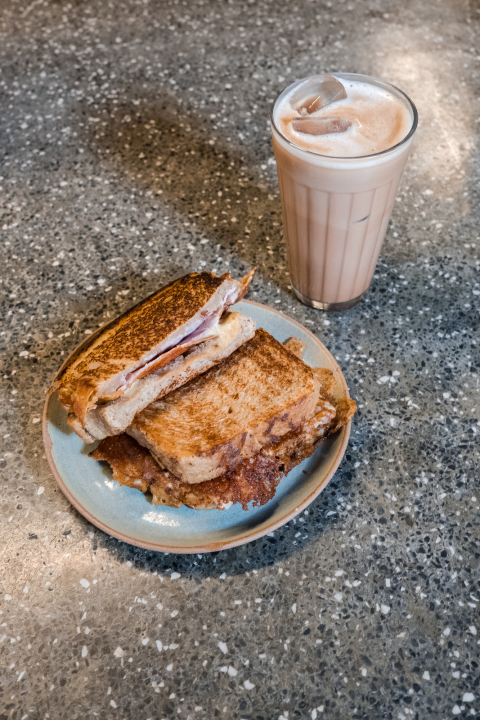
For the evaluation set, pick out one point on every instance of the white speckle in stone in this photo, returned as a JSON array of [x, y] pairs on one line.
[[473, 629], [231, 671], [426, 675], [294, 608], [23, 673], [119, 652], [468, 697], [446, 632], [84, 583], [174, 613], [40, 490], [364, 672], [175, 576], [456, 710], [338, 597], [145, 641], [170, 667], [8, 597], [159, 645], [248, 685], [385, 609], [84, 651], [223, 647], [113, 703]]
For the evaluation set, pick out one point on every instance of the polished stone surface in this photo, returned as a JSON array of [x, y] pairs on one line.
[[134, 147]]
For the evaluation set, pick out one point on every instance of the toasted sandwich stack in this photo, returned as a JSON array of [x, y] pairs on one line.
[[194, 405]]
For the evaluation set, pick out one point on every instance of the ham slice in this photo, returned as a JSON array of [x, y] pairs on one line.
[[162, 360], [205, 331]]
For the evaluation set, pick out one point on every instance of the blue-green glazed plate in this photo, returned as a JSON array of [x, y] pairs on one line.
[[127, 514]]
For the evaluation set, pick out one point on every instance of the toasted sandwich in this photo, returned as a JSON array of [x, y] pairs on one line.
[[230, 435], [251, 399], [155, 347]]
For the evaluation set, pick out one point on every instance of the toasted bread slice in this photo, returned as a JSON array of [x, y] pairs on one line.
[[251, 399], [253, 480], [121, 358]]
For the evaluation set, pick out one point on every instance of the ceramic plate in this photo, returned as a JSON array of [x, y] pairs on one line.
[[128, 515]]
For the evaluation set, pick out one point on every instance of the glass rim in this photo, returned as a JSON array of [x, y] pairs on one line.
[[376, 81]]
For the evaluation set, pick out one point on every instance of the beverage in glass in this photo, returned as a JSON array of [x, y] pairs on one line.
[[341, 143]]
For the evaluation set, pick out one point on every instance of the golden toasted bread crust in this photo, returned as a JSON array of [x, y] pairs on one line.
[[76, 425], [295, 346], [251, 399], [126, 341]]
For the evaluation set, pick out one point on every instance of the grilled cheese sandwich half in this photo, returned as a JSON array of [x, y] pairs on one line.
[[163, 342]]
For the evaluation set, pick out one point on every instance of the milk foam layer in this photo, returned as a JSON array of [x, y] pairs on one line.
[[380, 121]]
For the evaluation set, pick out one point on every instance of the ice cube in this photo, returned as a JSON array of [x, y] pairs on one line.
[[316, 93], [321, 125]]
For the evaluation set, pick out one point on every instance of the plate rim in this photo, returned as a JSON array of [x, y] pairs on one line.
[[214, 546]]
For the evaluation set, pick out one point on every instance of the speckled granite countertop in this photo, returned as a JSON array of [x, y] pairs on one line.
[[134, 147]]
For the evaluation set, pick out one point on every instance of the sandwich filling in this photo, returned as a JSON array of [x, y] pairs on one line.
[[210, 329], [252, 481]]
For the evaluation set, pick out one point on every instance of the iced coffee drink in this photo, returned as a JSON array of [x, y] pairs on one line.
[[341, 143]]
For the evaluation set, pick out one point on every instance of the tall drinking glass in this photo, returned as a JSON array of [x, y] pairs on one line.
[[336, 209]]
